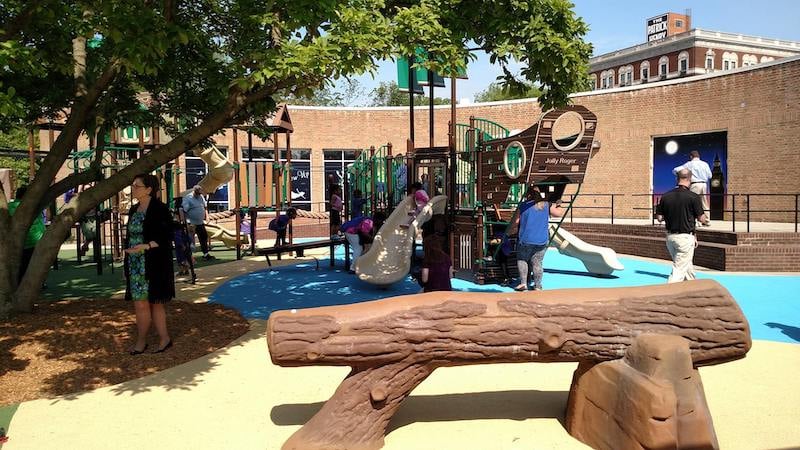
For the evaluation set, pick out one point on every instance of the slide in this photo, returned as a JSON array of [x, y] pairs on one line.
[[599, 260], [225, 235], [220, 170], [389, 259]]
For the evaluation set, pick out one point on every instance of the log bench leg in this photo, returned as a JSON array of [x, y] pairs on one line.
[[652, 398], [356, 416]]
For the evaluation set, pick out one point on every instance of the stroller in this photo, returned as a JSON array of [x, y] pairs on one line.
[[183, 243]]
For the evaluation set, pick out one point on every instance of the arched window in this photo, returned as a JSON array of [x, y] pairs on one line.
[[683, 62], [663, 67], [644, 71], [749, 60], [709, 65], [767, 59], [592, 82], [729, 60]]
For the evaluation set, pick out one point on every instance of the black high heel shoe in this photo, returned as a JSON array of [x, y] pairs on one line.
[[164, 348], [138, 352]]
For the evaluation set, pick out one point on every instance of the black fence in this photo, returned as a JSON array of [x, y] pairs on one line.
[[747, 208]]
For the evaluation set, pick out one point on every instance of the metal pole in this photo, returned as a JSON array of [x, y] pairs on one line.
[[411, 97], [612, 209], [430, 107], [747, 199], [237, 193]]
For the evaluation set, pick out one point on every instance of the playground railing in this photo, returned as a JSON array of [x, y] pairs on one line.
[[740, 209], [733, 207]]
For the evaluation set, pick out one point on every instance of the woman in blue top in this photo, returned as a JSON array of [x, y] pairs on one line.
[[534, 236]]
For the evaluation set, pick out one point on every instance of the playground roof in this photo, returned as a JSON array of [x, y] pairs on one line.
[[279, 122]]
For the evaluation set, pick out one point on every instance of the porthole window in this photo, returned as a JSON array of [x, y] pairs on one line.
[[514, 159], [568, 131]]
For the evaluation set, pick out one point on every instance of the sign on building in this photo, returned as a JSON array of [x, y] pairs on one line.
[[657, 27]]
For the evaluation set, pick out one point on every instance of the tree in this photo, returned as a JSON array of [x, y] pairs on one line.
[[389, 94], [341, 94], [109, 63], [497, 92]]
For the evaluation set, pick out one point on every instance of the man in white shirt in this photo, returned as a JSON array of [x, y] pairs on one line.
[[195, 209], [701, 173]]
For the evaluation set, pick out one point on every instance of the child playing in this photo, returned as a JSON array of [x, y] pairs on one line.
[[357, 204], [437, 269], [280, 224], [336, 209], [420, 200], [358, 232]]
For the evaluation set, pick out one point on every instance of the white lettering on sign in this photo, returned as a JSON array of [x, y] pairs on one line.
[[657, 28], [560, 160]]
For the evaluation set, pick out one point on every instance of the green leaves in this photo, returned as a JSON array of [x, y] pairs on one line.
[[192, 57]]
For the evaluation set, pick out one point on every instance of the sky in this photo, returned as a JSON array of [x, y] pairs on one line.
[[616, 24]]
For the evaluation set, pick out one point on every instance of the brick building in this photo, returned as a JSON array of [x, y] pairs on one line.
[[674, 50]]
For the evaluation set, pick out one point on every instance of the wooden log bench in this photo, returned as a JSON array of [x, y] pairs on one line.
[[393, 344], [301, 247]]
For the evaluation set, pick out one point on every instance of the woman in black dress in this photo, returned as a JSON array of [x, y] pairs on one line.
[[150, 281]]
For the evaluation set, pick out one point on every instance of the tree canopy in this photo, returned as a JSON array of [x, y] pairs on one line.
[[106, 63], [497, 92]]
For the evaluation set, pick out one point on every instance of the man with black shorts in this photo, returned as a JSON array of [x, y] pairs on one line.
[[679, 208]]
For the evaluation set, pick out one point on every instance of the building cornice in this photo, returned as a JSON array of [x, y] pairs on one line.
[[689, 39]]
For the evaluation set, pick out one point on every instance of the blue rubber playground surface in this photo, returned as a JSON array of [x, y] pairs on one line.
[[770, 302]]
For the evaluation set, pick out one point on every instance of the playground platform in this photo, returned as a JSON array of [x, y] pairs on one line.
[[236, 398]]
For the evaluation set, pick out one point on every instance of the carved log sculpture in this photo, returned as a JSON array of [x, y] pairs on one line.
[[394, 344]]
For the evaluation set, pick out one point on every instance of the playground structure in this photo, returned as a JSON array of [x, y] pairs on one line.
[[260, 187], [389, 258], [484, 173]]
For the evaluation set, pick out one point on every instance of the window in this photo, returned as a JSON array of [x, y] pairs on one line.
[[196, 169], [300, 172], [683, 62], [607, 79], [335, 166], [729, 60], [644, 71], [663, 67], [749, 60], [709, 61], [592, 82], [679, 23], [767, 59]]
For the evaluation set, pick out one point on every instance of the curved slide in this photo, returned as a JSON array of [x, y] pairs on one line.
[[389, 258], [225, 235], [596, 259], [220, 170]]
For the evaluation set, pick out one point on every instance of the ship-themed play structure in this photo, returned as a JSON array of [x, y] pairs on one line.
[[477, 184]]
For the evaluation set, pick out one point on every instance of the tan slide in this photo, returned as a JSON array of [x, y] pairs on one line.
[[596, 259], [389, 258], [225, 235], [220, 170]]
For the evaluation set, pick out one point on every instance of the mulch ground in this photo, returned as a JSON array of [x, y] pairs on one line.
[[73, 346]]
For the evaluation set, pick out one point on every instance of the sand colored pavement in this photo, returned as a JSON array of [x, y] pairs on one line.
[[236, 398]]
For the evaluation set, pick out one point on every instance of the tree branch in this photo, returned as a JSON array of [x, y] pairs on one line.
[[17, 23]]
